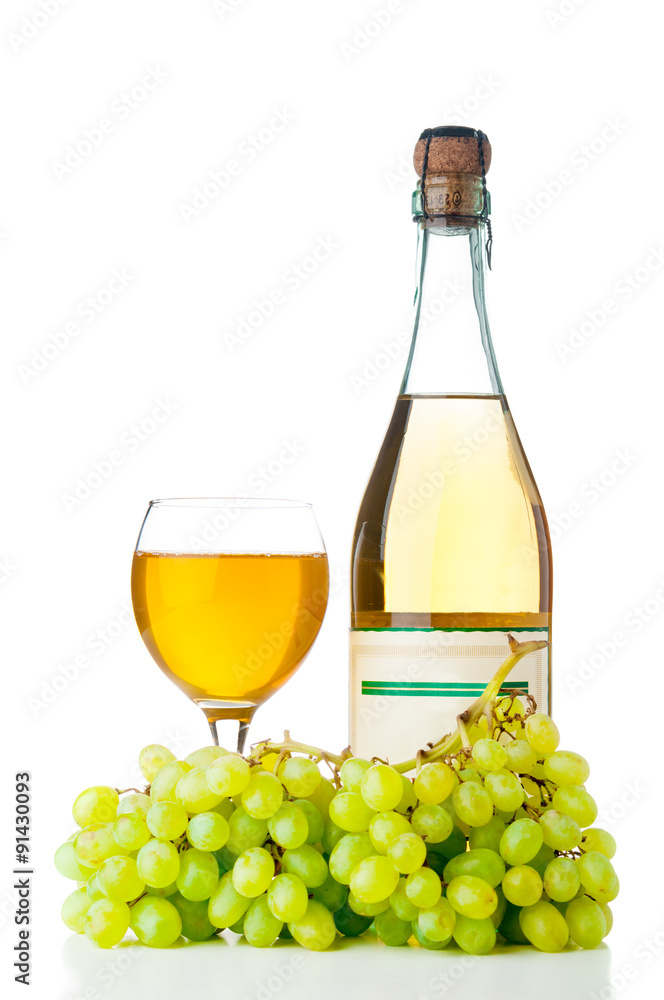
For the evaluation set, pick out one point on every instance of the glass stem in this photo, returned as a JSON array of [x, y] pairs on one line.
[[224, 733]]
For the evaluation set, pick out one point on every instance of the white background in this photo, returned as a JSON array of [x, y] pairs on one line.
[[545, 86]]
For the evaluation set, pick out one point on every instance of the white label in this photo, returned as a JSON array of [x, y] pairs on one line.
[[407, 686]]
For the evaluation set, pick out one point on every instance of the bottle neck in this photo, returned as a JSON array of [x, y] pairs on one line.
[[451, 351]]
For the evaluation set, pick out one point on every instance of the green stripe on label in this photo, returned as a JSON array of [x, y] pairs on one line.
[[424, 689]]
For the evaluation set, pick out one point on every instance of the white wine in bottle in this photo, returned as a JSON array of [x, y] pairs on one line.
[[451, 549]]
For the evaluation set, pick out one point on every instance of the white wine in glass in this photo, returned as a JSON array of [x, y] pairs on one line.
[[229, 596]]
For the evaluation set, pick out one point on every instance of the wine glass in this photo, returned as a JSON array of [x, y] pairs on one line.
[[229, 596]]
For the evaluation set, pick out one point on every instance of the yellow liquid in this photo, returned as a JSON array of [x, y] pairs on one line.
[[451, 531], [229, 628]]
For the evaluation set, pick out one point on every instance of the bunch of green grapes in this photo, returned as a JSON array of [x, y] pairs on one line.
[[492, 843]]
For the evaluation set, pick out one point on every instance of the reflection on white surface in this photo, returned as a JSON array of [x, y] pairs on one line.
[[354, 969]]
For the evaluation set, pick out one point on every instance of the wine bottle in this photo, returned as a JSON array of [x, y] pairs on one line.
[[451, 550]]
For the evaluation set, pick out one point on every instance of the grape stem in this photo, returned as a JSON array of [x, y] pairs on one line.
[[454, 742], [449, 744]]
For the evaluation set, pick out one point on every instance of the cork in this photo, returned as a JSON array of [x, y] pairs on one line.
[[453, 181], [452, 150]]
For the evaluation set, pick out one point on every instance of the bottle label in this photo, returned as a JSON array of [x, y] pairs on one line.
[[407, 686]]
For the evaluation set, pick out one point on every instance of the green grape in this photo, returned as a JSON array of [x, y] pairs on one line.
[[391, 930], [566, 768], [542, 859], [479, 861], [93, 890], [507, 707], [167, 820], [106, 922], [261, 928], [225, 808], [436, 862], [162, 788], [156, 922], [119, 880], [438, 921], [68, 864], [299, 776], [331, 894], [349, 811], [499, 912], [561, 832], [253, 872], [288, 827], [131, 831], [470, 774], [75, 908], [307, 864], [225, 859], [434, 782], [505, 790], [451, 846], [522, 885], [158, 863], [599, 840], [196, 925], [408, 798], [316, 930], [163, 891], [521, 840], [374, 879], [152, 758], [577, 803], [205, 756], [401, 904], [472, 804], [198, 875], [586, 922], [472, 896], [347, 854], [287, 897], [542, 733], [135, 802], [228, 775], [475, 937], [423, 888], [322, 797], [349, 923], [510, 927], [424, 941], [226, 905], [351, 773], [96, 805], [381, 787], [94, 844], [207, 831], [521, 757], [367, 909], [561, 880], [263, 795], [385, 827], [608, 916], [432, 823], [489, 755], [407, 852], [315, 821], [487, 836], [193, 792], [598, 876], [544, 925], [332, 834], [245, 831]]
